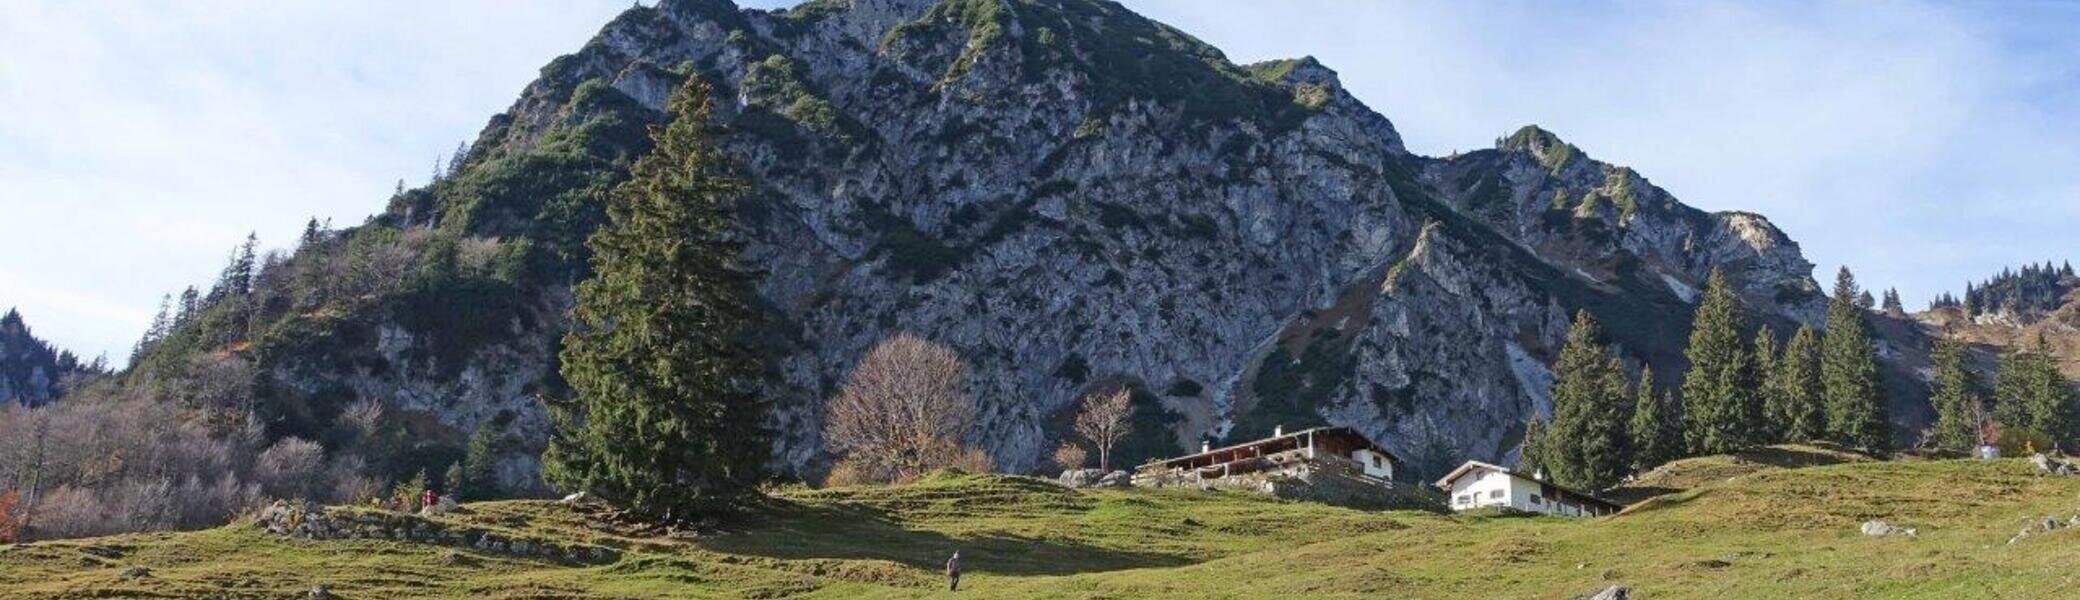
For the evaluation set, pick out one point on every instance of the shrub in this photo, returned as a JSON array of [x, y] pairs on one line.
[[1070, 456], [850, 472], [292, 468], [974, 460], [10, 525]]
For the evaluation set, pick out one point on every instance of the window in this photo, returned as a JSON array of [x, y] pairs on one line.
[[1494, 493], [1465, 499], [1535, 499]]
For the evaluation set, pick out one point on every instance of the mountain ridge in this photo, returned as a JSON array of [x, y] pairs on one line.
[[1069, 194]]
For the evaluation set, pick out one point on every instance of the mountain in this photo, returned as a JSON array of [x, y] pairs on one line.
[[31, 372], [1070, 195]]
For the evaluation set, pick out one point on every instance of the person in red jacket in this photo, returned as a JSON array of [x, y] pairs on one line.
[[429, 498]]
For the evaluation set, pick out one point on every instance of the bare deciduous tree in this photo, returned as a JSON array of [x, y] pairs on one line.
[[903, 411], [1105, 419], [292, 468]]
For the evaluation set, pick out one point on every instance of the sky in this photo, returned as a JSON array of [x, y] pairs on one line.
[[1923, 145]]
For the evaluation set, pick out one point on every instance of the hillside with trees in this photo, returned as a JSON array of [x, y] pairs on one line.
[[32, 373]]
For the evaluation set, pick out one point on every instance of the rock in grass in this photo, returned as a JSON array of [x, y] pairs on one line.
[[1616, 592], [1080, 478], [136, 572], [1116, 479], [2050, 466], [320, 592], [1876, 528]]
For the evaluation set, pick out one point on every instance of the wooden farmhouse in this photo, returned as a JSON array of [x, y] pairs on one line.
[[1325, 463], [1479, 485]]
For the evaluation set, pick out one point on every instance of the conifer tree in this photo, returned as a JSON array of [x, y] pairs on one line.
[[311, 234], [1720, 405], [162, 322], [665, 417], [237, 277], [2011, 402], [1532, 455], [1856, 412], [2033, 397], [1798, 389], [1657, 434], [1955, 396], [1892, 304], [456, 160], [1768, 428], [189, 308], [479, 472], [1586, 442], [2052, 399]]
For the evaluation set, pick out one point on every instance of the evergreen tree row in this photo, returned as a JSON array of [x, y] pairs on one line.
[[1740, 392], [2028, 293]]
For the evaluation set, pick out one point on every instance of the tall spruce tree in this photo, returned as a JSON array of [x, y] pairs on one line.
[[665, 414], [1586, 444], [2011, 401], [1657, 432], [1955, 395], [2032, 396], [1768, 428], [1720, 405], [477, 479], [1531, 457], [1798, 389], [1856, 412]]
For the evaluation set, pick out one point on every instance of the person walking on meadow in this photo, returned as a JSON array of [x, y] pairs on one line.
[[953, 572]]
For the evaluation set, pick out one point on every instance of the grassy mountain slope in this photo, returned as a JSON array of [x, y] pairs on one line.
[[1774, 533]]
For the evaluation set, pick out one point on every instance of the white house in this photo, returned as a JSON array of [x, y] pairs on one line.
[[1482, 485]]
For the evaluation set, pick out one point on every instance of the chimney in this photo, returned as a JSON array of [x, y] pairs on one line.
[[1205, 446], [1278, 430]]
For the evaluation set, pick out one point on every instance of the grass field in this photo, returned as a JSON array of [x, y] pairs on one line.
[[1769, 532]]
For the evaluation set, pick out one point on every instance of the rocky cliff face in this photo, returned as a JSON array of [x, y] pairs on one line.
[[30, 370], [1072, 196]]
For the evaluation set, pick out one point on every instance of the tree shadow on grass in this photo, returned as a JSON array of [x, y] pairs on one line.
[[785, 529], [1793, 457]]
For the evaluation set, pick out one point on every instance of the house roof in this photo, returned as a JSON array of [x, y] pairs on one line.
[[1295, 434], [1474, 465]]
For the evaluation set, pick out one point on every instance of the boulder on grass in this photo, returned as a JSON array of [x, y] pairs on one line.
[[1116, 479], [1616, 592], [1875, 528], [1080, 478]]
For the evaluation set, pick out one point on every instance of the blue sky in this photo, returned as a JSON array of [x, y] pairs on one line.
[[1921, 144]]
